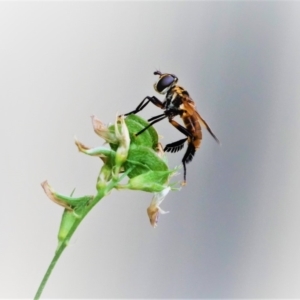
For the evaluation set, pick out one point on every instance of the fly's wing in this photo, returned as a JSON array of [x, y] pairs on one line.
[[205, 125], [190, 108], [188, 105]]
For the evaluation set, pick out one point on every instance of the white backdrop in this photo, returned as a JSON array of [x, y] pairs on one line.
[[233, 231]]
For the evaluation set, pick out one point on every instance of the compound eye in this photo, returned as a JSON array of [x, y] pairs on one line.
[[164, 82]]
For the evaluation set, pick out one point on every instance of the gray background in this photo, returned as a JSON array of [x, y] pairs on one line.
[[233, 231]]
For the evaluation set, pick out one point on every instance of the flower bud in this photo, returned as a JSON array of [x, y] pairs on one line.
[[103, 131], [54, 197], [67, 221], [104, 177], [70, 203], [107, 155], [122, 134]]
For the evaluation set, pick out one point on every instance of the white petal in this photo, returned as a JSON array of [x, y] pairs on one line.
[[154, 209]]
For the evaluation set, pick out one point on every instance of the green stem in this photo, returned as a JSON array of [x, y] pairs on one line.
[[63, 245], [49, 270]]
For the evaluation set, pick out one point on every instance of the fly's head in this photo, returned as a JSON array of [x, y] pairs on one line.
[[165, 82]]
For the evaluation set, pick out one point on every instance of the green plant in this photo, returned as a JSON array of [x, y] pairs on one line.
[[140, 159]]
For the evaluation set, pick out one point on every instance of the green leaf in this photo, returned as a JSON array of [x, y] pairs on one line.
[[143, 159], [152, 181], [136, 124]]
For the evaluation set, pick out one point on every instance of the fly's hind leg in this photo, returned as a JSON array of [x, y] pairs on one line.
[[188, 156], [176, 146], [190, 152]]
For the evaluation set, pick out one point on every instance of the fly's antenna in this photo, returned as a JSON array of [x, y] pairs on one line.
[[157, 72]]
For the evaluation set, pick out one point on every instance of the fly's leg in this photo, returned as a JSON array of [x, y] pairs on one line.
[[154, 120], [190, 152], [188, 156], [181, 129], [156, 117], [145, 102], [176, 146]]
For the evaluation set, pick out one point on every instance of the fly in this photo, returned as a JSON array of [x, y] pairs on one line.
[[177, 103]]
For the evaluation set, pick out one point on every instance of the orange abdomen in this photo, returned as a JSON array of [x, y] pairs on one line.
[[192, 124]]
